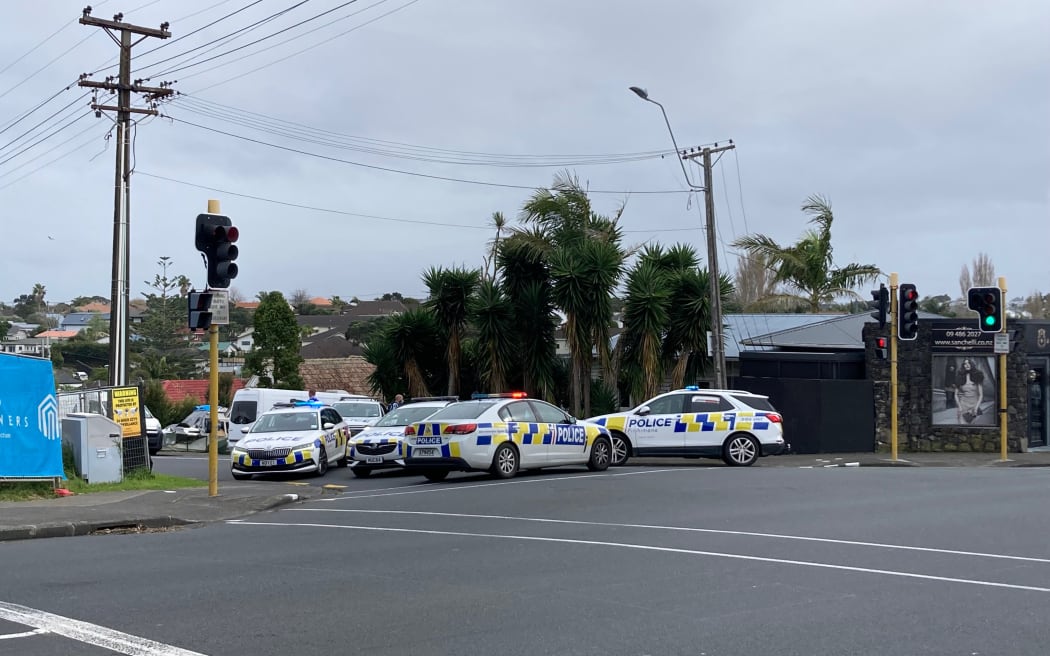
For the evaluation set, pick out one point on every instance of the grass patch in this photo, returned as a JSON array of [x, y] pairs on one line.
[[138, 479]]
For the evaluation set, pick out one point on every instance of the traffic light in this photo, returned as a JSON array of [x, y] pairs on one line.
[[881, 304], [199, 310], [880, 348], [988, 303], [908, 312], [215, 238]]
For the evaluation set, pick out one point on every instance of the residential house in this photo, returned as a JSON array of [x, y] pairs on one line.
[[347, 373], [328, 345], [177, 390], [56, 335], [365, 310], [40, 347], [244, 342], [20, 330]]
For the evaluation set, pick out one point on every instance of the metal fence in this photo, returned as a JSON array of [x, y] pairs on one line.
[[134, 450]]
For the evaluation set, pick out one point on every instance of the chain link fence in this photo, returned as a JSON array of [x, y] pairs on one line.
[[134, 449]]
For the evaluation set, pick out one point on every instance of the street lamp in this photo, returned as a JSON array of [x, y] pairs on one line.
[[717, 345]]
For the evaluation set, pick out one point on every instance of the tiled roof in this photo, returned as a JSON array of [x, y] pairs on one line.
[[178, 390], [366, 309], [321, 301], [94, 307], [248, 305], [329, 344], [58, 334], [350, 374]]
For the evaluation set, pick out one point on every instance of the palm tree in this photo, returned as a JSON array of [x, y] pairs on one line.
[[645, 317], [526, 281], [586, 262], [499, 222], [807, 266], [492, 314], [387, 378], [414, 337], [39, 292], [450, 292]]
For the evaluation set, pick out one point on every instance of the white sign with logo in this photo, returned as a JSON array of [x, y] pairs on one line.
[[1001, 343]]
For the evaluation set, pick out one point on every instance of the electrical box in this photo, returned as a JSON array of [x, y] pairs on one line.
[[96, 442]]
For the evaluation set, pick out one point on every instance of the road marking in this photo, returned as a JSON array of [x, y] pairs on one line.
[[648, 547], [452, 487], [687, 529], [91, 634], [11, 636], [167, 457]]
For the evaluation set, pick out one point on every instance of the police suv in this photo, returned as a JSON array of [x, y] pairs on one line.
[[303, 436], [502, 433], [379, 446], [733, 425]]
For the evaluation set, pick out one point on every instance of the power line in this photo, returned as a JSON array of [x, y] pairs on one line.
[[268, 36], [29, 112], [33, 129], [226, 37], [42, 68], [402, 172], [45, 138], [81, 146], [329, 210], [346, 142], [299, 52]]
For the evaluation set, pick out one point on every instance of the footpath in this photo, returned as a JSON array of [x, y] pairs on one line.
[[110, 512]]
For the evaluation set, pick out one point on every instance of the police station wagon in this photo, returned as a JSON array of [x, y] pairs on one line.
[[503, 433], [293, 437], [733, 425]]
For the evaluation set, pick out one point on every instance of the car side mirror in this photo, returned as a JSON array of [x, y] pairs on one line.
[[328, 425], [643, 411], [569, 419], [245, 429]]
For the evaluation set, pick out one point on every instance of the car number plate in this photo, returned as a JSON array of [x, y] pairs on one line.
[[267, 463], [425, 453], [374, 460]]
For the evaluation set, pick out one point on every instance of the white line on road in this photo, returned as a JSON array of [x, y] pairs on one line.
[[452, 487], [91, 634], [25, 634], [688, 529], [647, 547]]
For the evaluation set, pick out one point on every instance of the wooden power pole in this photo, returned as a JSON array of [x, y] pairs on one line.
[[718, 352], [122, 87]]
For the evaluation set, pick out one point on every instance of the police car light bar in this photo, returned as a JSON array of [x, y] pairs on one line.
[[501, 395], [432, 398]]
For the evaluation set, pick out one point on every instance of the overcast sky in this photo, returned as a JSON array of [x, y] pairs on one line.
[[929, 120]]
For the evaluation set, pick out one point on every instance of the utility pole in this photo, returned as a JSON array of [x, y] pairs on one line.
[[718, 352], [122, 87]]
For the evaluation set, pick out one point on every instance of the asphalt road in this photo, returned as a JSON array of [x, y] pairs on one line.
[[684, 560]]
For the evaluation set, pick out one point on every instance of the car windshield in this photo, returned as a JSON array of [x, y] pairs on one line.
[[286, 421], [406, 415], [463, 410], [357, 409], [243, 412], [756, 402]]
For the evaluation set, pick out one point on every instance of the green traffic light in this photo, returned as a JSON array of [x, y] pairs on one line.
[[989, 321]]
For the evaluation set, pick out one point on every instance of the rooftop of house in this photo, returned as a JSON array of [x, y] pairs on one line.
[[177, 390], [349, 373], [58, 334], [329, 344]]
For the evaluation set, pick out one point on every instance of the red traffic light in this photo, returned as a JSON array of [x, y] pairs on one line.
[[229, 233], [880, 342], [911, 295]]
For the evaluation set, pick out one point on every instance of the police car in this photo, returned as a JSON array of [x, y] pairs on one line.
[[379, 446], [503, 433], [733, 425], [358, 413], [293, 437]]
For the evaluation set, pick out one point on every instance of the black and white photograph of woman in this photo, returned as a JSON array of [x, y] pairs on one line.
[[964, 390]]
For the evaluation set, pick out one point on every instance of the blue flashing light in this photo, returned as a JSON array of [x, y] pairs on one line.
[[309, 404], [692, 388], [203, 407]]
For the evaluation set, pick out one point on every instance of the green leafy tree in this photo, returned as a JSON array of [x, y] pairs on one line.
[[5, 326], [415, 339], [807, 267], [277, 343], [363, 332], [450, 293], [940, 304], [387, 378], [165, 310]]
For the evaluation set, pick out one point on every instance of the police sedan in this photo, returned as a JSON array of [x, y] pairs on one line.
[[291, 438], [502, 434], [734, 425], [379, 446]]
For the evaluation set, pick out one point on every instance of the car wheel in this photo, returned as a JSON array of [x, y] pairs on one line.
[[740, 450], [505, 461], [237, 476], [621, 449], [322, 462], [435, 475], [361, 472], [601, 455]]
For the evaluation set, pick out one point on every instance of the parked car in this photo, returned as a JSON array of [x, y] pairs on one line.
[[380, 446], [358, 413], [196, 425], [294, 437], [737, 426], [154, 432]]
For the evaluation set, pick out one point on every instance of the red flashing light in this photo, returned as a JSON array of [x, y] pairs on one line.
[[410, 430], [518, 395], [460, 429], [880, 342]]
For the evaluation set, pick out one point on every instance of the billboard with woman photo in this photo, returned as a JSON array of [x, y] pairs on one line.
[[964, 390]]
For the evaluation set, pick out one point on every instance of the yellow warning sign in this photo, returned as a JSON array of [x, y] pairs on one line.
[[124, 409]]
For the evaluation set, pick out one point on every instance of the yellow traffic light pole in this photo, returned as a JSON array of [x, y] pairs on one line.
[[1003, 415], [893, 365], [213, 395]]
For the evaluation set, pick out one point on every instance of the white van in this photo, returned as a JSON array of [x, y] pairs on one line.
[[249, 403]]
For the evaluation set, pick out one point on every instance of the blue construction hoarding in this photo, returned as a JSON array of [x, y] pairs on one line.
[[30, 438]]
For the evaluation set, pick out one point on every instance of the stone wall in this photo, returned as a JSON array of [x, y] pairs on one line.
[[915, 395]]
